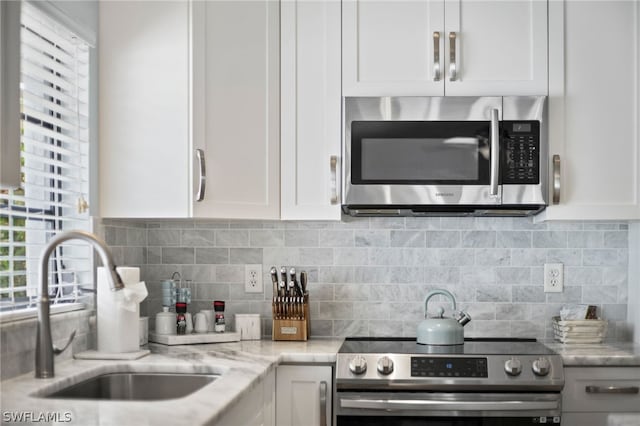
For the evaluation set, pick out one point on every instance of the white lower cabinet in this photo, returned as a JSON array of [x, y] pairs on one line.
[[256, 408], [304, 395], [592, 394]]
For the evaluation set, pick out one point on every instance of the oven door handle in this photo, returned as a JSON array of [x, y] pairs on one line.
[[415, 404]]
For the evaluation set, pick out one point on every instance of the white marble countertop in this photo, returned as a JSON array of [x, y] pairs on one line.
[[241, 365], [623, 354]]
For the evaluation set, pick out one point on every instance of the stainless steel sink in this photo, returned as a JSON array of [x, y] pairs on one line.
[[136, 386]]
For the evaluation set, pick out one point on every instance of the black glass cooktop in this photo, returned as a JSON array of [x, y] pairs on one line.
[[471, 346]]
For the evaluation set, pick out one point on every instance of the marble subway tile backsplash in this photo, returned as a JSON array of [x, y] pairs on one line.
[[369, 276], [18, 347]]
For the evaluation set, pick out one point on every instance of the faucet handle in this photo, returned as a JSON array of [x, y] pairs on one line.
[[58, 351]]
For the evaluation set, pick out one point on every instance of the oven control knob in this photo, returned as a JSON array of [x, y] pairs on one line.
[[385, 365], [541, 367], [358, 364], [513, 367]]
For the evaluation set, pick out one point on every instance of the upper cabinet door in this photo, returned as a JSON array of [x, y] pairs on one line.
[[594, 111], [144, 109], [310, 110], [392, 48], [496, 47], [235, 92], [444, 47]]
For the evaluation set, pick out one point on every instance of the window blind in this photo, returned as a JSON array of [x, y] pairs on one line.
[[54, 167]]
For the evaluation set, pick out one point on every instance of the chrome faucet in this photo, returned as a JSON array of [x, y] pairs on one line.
[[44, 343]]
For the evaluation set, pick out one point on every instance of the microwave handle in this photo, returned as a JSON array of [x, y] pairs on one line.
[[495, 153]]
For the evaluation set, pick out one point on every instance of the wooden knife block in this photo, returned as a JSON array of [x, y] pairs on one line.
[[292, 329]]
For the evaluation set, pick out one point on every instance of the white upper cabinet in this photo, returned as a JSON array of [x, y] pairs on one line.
[[500, 47], [236, 108], [593, 109], [444, 47], [310, 110], [389, 48], [189, 94], [144, 109]]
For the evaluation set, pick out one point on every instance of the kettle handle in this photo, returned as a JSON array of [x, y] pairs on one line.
[[436, 292]]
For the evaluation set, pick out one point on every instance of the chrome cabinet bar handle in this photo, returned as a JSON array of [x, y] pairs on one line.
[[453, 71], [203, 175], [612, 389], [436, 56], [495, 153], [323, 403], [333, 162], [556, 179]]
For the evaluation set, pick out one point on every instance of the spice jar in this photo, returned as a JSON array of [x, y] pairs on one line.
[[218, 307], [181, 319]]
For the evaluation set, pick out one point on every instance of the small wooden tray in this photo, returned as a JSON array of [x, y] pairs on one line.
[[193, 338]]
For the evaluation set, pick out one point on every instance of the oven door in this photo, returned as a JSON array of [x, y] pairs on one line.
[[444, 409], [422, 151]]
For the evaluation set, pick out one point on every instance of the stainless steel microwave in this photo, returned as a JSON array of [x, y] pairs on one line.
[[420, 156]]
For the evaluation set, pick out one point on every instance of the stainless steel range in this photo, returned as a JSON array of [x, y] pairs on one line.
[[395, 381]]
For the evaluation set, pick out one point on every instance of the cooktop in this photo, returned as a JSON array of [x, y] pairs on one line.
[[472, 346]]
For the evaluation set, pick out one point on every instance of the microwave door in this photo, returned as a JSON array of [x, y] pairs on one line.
[[424, 162]]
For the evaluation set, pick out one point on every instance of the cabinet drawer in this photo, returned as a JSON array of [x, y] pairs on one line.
[[601, 389]]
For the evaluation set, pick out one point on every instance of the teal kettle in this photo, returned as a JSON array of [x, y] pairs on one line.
[[440, 330]]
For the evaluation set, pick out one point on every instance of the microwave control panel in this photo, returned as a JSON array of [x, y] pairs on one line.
[[521, 152]]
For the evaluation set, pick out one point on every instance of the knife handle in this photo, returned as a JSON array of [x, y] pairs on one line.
[[274, 279]]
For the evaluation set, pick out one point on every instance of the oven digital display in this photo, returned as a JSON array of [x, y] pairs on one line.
[[448, 367]]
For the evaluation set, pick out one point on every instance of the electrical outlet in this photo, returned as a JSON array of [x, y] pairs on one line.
[[553, 277], [253, 279]]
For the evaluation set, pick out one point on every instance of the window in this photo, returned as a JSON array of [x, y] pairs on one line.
[[54, 167]]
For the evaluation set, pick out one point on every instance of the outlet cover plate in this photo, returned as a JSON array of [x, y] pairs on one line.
[[553, 277], [253, 279]]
